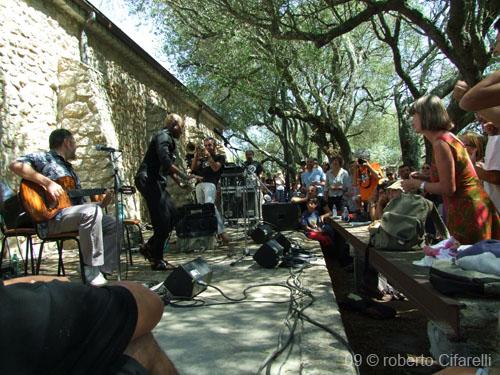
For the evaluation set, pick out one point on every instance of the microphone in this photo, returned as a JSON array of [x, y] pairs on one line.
[[219, 133], [106, 148]]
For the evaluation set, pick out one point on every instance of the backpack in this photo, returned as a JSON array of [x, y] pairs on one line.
[[452, 280], [402, 226]]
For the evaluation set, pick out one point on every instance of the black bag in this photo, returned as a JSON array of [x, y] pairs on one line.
[[452, 280], [13, 214]]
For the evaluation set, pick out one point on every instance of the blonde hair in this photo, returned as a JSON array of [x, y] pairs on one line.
[[476, 140], [432, 113]]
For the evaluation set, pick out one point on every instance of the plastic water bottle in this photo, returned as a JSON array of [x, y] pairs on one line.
[[334, 212], [345, 214], [15, 264]]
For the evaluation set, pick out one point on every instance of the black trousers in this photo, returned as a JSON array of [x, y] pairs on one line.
[[162, 211]]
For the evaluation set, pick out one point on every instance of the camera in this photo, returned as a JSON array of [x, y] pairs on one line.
[[361, 161]]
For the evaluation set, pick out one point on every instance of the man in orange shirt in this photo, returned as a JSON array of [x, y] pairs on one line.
[[367, 177]]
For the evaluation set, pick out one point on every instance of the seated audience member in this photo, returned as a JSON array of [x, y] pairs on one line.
[[390, 176], [489, 171], [484, 97], [404, 172], [386, 192], [313, 224], [337, 180], [312, 192], [426, 171], [52, 326], [470, 214], [367, 176], [474, 144]]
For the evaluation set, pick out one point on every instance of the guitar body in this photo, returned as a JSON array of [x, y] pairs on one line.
[[37, 203]]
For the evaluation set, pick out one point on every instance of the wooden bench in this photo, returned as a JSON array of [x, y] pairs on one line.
[[397, 267]]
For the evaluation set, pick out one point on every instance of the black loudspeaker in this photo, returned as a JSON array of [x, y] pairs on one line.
[[283, 216], [269, 255], [196, 220], [184, 280], [198, 210], [283, 241], [261, 233]]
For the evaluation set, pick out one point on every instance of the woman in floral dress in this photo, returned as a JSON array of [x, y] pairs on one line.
[[470, 214]]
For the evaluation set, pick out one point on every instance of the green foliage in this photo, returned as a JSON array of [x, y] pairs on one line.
[[257, 62]]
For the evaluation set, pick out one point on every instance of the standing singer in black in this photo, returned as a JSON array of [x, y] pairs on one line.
[[253, 166], [207, 167], [151, 181]]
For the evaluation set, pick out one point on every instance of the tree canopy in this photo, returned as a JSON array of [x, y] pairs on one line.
[[319, 77]]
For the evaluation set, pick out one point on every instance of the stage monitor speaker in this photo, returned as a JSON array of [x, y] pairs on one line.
[[284, 216], [283, 241], [269, 255], [261, 233], [183, 281], [197, 210]]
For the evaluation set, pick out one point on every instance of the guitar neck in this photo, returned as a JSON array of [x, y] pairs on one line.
[[77, 193]]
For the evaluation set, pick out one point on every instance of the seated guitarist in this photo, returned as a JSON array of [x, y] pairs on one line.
[[97, 232]]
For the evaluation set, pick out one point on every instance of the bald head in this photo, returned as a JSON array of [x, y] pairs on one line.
[[175, 124]]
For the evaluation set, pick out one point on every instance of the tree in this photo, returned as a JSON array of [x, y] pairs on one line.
[[238, 69]]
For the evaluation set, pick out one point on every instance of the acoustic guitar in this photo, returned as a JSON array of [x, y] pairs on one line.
[[42, 208]]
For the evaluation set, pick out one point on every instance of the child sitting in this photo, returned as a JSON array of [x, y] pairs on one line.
[[312, 222]]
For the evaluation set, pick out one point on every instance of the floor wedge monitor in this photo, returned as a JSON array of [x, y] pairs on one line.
[[269, 255], [190, 279]]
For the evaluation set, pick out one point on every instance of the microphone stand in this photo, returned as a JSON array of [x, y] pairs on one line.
[[117, 185]]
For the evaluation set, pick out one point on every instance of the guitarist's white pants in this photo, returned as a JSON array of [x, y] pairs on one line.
[[97, 233]]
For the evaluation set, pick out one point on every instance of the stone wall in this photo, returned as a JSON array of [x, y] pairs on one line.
[[117, 98]]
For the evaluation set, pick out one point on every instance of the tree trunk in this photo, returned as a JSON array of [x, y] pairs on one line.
[[408, 139]]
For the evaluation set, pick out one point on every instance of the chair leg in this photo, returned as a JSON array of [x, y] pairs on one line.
[[129, 245], [26, 256], [32, 255], [39, 260], [60, 265]]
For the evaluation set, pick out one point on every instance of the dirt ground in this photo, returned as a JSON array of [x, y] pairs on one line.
[[391, 340]]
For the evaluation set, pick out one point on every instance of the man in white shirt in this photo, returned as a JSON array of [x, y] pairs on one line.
[[489, 171]]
